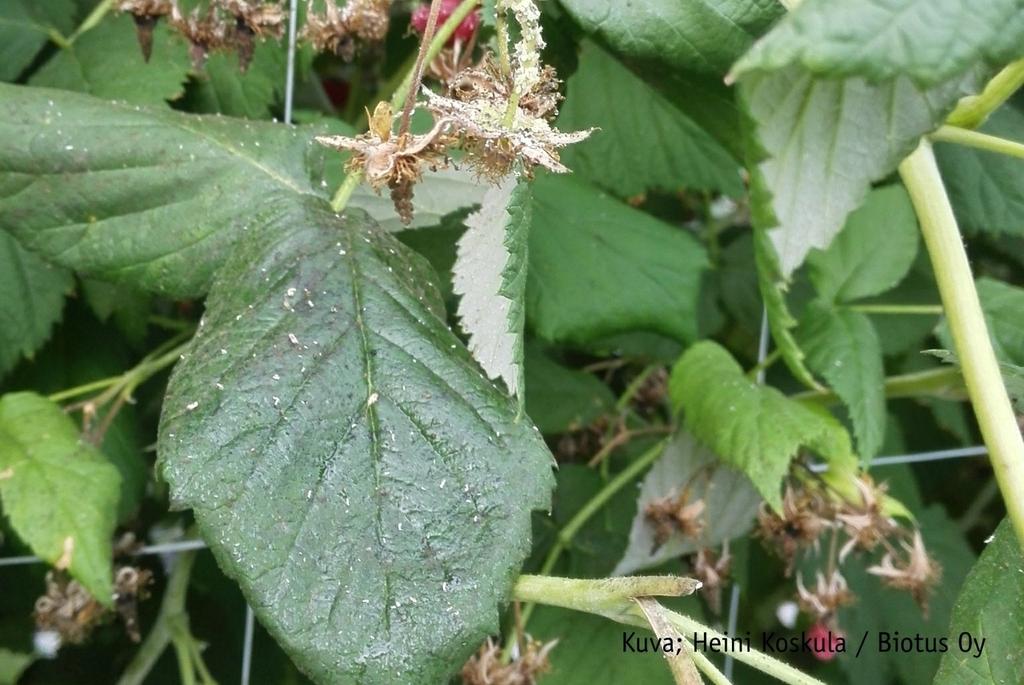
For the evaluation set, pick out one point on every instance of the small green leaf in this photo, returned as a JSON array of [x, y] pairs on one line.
[[31, 301], [704, 36], [490, 275], [730, 504], [12, 665], [59, 493], [751, 427], [368, 488], [151, 197], [990, 608], [987, 189], [599, 268], [631, 116], [843, 348], [106, 62], [873, 252], [821, 143], [25, 27], [928, 40], [558, 398]]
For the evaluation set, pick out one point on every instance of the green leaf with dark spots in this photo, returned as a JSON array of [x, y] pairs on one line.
[[368, 488]]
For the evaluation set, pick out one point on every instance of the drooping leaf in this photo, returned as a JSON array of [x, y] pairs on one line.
[[730, 504], [402, 480], [490, 275], [106, 62], [928, 40], [25, 27], [31, 301], [703, 36], [987, 189], [59, 492], [633, 117], [843, 348], [823, 142], [781, 321], [751, 427], [559, 398], [152, 197], [990, 608], [599, 267], [873, 252]]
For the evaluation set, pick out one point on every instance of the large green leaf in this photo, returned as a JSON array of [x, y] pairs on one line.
[[752, 427], [843, 348], [821, 143], [990, 608], [599, 267], [646, 143], [873, 252], [987, 189], [31, 300], [558, 398], [25, 27], [106, 62], [730, 504], [59, 492], [928, 40], [368, 488], [153, 197], [704, 36]]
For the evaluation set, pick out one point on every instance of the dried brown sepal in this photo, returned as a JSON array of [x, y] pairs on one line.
[[828, 596], [393, 161], [713, 571], [204, 31], [917, 573], [68, 609], [675, 513], [865, 522], [485, 667], [340, 31], [131, 586], [252, 21], [145, 14], [803, 518], [496, 136]]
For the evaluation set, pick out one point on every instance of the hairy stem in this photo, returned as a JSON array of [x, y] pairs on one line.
[[972, 111], [896, 308], [605, 599], [417, 71], [978, 362], [92, 20], [981, 141]]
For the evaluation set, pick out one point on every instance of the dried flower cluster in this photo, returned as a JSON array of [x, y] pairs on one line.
[[675, 513], [808, 512], [485, 667], [224, 25], [341, 31], [69, 610], [713, 570]]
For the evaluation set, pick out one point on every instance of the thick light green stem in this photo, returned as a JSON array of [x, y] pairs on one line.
[[981, 141], [598, 597], [972, 111], [944, 383], [978, 362]]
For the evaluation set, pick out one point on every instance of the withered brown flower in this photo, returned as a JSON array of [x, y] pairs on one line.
[[918, 573], [865, 523], [205, 32], [675, 513], [253, 20], [828, 595], [395, 161], [338, 30], [803, 518], [712, 570], [485, 667]]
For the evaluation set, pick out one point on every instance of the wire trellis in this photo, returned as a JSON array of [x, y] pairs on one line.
[[177, 547]]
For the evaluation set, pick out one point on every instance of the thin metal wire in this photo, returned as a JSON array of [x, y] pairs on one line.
[[247, 645], [734, 611], [166, 548], [289, 77], [937, 455]]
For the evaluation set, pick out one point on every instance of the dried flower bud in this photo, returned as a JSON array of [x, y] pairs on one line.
[[252, 21], [485, 667], [675, 513], [918, 573], [713, 571], [204, 33], [828, 596], [68, 609], [804, 516], [337, 30], [865, 522], [146, 14]]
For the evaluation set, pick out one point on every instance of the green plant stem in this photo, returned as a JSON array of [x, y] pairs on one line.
[[344, 192], [565, 536], [896, 308], [710, 671], [417, 71], [972, 111], [501, 29], [763, 365], [978, 362], [597, 597], [92, 20], [160, 635], [981, 141], [943, 383]]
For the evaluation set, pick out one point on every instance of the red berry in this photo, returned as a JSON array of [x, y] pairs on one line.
[[463, 32], [823, 642]]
